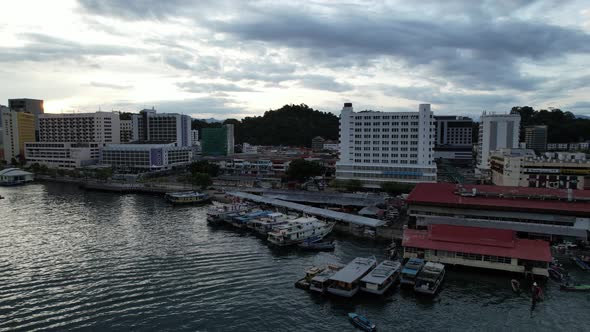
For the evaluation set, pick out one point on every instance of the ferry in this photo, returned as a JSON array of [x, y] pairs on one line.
[[410, 270], [319, 283], [299, 230], [346, 282], [217, 213], [429, 278], [187, 197], [381, 278], [267, 223]]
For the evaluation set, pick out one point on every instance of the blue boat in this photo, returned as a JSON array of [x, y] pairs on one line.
[[410, 270], [579, 262], [362, 322]]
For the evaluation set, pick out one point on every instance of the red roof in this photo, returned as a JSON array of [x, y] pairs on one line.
[[444, 194], [477, 240]]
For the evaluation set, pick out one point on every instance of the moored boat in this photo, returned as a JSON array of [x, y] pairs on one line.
[[380, 279], [320, 282], [317, 246], [362, 322], [242, 220], [305, 282], [582, 264], [187, 197], [574, 288], [430, 278], [410, 270], [217, 213], [299, 230], [266, 224], [346, 282]]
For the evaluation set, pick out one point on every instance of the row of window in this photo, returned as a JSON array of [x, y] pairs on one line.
[[415, 123], [385, 117]]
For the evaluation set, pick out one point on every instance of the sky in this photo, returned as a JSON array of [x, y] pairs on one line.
[[232, 59]]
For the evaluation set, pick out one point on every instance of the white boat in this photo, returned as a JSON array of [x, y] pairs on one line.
[[381, 278], [187, 197], [410, 270], [218, 212], [346, 282], [319, 283], [429, 278], [299, 230], [268, 223]]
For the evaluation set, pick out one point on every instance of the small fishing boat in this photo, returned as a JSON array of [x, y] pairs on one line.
[[317, 246], [579, 262], [430, 278], [187, 197], [362, 322], [557, 273], [515, 286], [305, 282], [574, 288]]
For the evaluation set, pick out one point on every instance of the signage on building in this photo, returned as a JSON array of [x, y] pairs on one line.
[[541, 170]]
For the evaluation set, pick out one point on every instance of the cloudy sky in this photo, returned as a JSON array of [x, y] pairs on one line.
[[239, 58]]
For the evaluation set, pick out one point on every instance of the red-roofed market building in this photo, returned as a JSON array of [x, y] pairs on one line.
[[487, 248], [551, 214]]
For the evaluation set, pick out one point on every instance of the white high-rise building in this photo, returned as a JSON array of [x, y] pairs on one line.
[[149, 126], [195, 137], [496, 131], [378, 147], [98, 127]]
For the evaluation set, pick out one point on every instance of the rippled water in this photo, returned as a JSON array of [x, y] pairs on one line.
[[77, 260]]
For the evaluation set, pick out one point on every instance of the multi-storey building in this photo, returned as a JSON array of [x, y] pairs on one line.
[[149, 126], [27, 105], [126, 131], [17, 128], [568, 146], [2, 108], [535, 138], [454, 140], [99, 127], [218, 141], [65, 155], [195, 137], [317, 143], [522, 168], [496, 131], [140, 158], [378, 147]]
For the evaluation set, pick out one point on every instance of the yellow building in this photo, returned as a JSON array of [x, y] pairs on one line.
[[18, 128]]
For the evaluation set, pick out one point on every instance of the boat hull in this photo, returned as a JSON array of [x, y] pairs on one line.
[[342, 292]]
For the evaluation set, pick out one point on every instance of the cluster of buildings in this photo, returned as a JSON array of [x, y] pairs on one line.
[[147, 142]]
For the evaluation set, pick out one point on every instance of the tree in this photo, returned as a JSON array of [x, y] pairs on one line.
[[396, 188], [353, 185], [104, 173], [563, 127], [201, 179], [203, 166], [301, 169]]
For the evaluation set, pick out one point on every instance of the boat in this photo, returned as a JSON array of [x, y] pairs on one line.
[[557, 273], [299, 230], [242, 220], [410, 270], [574, 288], [362, 322], [266, 224], [381, 278], [346, 282], [579, 262], [430, 278], [217, 213], [317, 246], [187, 197], [320, 282], [305, 282], [515, 284]]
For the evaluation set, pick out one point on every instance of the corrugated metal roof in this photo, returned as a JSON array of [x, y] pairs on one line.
[[335, 215], [354, 270], [14, 172]]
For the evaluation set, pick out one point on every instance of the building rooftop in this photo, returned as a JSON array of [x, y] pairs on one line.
[[477, 240], [383, 271], [354, 270], [14, 172], [521, 199]]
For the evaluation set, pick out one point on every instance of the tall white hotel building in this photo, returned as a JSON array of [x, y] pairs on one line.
[[378, 147]]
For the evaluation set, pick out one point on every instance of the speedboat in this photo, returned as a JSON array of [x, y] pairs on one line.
[[429, 278], [362, 322]]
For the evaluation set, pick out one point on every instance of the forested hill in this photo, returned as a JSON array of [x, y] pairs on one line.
[[563, 127], [292, 125]]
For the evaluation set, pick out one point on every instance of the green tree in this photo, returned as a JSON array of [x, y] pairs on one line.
[[203, 166], [202, 180], [396, 188], [300, 169]]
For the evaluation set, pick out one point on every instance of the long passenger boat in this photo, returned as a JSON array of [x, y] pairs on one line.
[[381, 278], [346, 282], [299, 230]]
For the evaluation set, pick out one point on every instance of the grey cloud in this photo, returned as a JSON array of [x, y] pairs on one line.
[[197, 87], [110, 85], [193, 106], [321, 82]]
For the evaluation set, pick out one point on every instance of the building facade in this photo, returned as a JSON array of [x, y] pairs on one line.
[[17, 128], [27, 105], [63, 155], [523, 168], [126, 131], [582, 146], [378, 147], [218, 141], [454, 138], [141, 158], [149, 126], [550, 214], [496, 131], [98, 127], [317, 143], [194, 137], [535, 138]]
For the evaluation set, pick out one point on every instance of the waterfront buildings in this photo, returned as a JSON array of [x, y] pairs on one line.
[[64, 155], [523, 168], [581, 146], [496, 249], [195, 137], [140, 158], [14, 176], [496, 131], [378, 147], [317, 143], [17, 128], [551, 214], [218, 141], [454, 138], [27, 105], [97, 127], [536, 138], [126, 131], [150, 126]]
